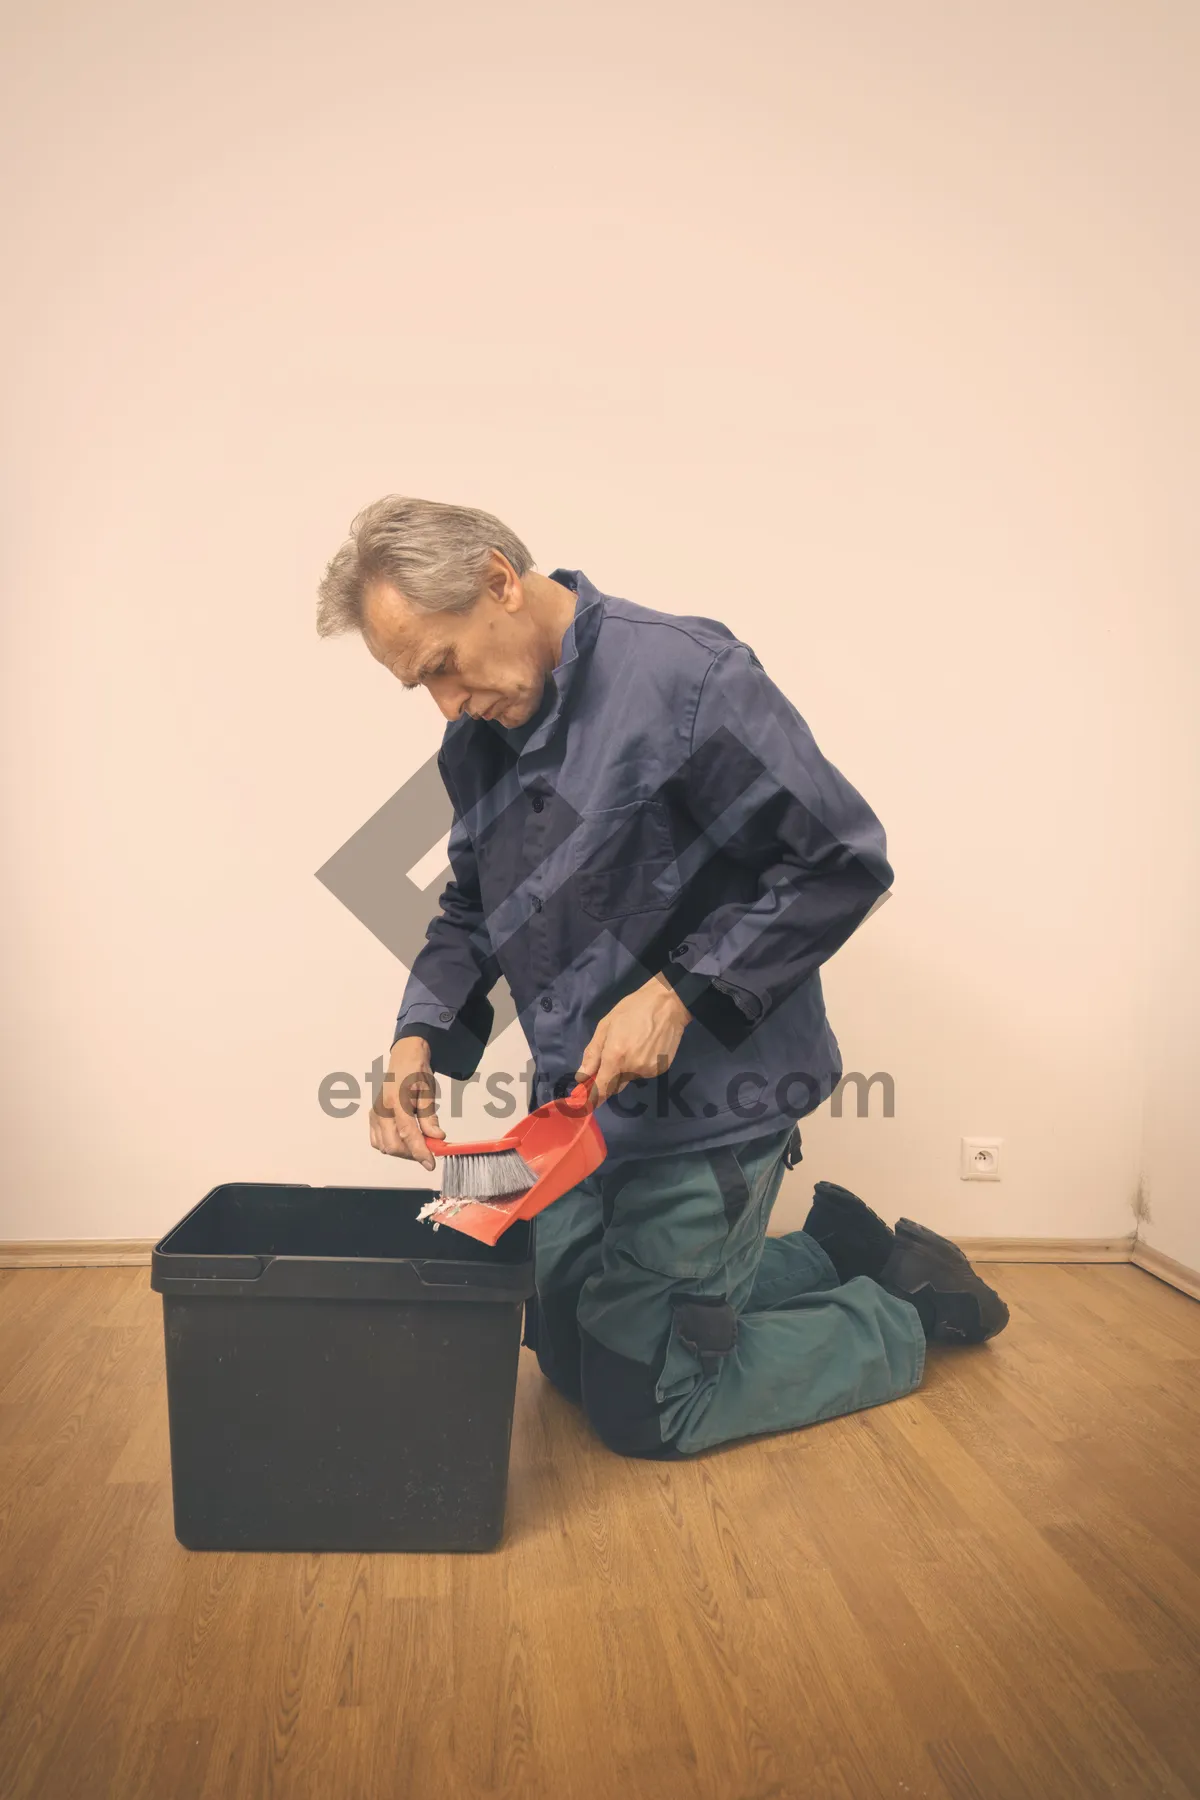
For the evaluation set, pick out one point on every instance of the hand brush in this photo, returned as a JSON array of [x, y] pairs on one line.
[[551, 1150], [485, 1174]]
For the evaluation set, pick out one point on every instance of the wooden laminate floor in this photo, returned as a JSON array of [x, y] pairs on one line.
[[988, 1589]]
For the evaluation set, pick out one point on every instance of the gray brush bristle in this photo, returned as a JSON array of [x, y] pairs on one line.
[[486, 1175]]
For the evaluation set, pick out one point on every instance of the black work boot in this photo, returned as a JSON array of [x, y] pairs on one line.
[[855, 1239], [930, 1272]]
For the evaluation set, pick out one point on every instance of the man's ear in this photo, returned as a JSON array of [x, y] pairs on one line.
[[503, 584]]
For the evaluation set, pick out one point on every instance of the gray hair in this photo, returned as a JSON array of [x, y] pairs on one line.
[[437, 556]]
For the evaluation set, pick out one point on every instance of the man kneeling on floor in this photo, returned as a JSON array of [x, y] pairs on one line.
[[650, 848]]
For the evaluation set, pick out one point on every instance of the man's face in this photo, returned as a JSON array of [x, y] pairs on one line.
[[489, 661]]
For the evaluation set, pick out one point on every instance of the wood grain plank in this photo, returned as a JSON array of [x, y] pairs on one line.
[[988, 1590]]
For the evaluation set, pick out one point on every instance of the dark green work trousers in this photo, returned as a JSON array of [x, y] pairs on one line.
[[666, 1311]]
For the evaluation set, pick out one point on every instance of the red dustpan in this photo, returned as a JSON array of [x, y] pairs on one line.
[[560, 1141]]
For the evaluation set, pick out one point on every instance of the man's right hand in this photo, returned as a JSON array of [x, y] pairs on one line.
[[403, 1116]]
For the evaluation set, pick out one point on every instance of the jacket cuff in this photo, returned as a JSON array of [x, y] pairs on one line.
[[729, 1012], [456, 1040]]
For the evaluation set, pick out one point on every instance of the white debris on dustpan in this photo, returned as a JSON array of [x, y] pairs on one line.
[[447, 1209], [488, 1178]]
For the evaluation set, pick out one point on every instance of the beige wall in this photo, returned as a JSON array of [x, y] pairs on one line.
[[859, 328], [1171, 1161]]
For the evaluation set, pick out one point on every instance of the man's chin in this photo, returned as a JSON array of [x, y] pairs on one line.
[[516, 712]]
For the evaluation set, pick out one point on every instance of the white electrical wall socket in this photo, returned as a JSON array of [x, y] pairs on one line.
[[980, 1159]]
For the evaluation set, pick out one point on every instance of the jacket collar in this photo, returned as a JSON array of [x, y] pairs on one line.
[[580, 634]]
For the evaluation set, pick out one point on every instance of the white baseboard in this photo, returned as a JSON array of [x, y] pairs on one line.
[[1167, 1269], [1049, 1250], [78, 1253], [131, 1253]]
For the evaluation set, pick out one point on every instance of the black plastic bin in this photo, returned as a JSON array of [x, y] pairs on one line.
[[339, 1375]]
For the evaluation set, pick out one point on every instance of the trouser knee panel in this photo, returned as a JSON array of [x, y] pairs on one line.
[[621, 1403]]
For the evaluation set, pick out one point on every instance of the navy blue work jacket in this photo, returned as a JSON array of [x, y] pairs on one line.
[[665, 810]]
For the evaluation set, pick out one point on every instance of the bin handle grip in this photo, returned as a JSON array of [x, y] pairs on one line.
[[220, 1268], [445, 1274]]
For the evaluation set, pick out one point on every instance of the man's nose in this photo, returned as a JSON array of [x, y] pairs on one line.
[[451, 699]]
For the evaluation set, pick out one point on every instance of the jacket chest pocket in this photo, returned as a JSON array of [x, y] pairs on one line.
[[626, 861]]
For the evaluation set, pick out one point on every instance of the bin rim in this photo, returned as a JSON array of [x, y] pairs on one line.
[[237, 1271]]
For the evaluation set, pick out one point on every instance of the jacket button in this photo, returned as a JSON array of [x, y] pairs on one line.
[[537, 904], [538, 802], [547, 1003], [680, 950], [445, 1017]]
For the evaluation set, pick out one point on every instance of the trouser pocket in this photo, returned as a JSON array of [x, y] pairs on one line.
[[706, 1325], [683, 1216]]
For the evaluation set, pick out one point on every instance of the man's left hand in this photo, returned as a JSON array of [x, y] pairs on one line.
[[639, 1037]]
